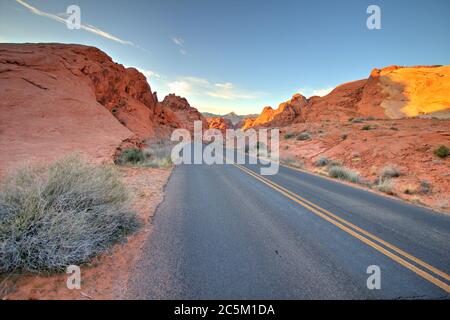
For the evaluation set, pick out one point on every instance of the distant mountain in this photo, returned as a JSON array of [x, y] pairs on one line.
[[232, 116]]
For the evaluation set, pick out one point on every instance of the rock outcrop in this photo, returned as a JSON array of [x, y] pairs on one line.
[[219, 123], [390, 93], [59, 98]]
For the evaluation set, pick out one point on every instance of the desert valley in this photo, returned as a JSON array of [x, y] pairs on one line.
[[389, 133]]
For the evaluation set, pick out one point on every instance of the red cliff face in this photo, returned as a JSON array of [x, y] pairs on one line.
[[390, 93], [182, 113], [219, 123], [58, 98]]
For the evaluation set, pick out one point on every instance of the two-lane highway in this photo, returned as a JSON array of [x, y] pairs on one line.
[[225, 232]]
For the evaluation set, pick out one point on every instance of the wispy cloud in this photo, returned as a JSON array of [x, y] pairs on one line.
[[194, 86], [149, 74], [86, 27], [180, 43], [309, 92]]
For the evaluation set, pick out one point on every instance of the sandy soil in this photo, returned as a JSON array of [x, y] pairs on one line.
[[106, 276], [407, 144]]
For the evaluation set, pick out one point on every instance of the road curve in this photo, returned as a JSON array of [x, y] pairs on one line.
[[224, 232]]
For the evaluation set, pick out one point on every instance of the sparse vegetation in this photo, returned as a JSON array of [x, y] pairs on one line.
[[357, 120], [158, 156], [60, 215], [343, 173], [390, 171], [289, 136], [130, 156], [293, 162], [442, 151], [366, 127], [155, 156], [322, 162], [385, 185], [425, 187], [304, 136]]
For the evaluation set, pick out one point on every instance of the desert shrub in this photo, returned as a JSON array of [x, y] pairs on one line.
[[357, 120], [394, 128], [158, 155], [385, 185], [293, 162], [344, 136], [130, 156], [442, 151], [304, 136], [322, 162], [344, 173], [333, 163], [63, 214], [289, 136], [390, 171], [366, 127], [425, 187]]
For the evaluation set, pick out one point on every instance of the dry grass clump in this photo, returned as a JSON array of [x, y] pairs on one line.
[[63, 214], [390, 171], [293, 162], [344, 173]]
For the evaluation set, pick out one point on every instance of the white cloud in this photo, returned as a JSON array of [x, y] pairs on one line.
[[226, 85], [182, 88], [322, 92], [195, 86], [178, 41], [309, 92], [86, 27], [149, 74]]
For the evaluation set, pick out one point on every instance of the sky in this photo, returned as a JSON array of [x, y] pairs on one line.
[[238, 55]]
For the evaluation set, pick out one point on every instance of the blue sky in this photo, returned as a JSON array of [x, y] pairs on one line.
[[242, 55]]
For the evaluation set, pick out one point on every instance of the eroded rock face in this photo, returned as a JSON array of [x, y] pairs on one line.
[[220, 123], [58, 98], [390, 93], [288, 112], [48, 110], [183, 113]]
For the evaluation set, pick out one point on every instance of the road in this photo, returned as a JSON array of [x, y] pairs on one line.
[[224, 232]]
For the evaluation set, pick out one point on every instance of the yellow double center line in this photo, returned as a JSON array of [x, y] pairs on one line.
[[368, 238]]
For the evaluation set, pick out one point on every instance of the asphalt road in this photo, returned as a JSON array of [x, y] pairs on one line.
[[224, 232]]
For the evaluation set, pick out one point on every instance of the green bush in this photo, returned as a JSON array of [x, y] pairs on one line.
[[366, 127], [322, 162], [130, 156], [289, 136], [344, 173], [158, 155], [304, 136], [60, 215], [390, 171], [442, 151]]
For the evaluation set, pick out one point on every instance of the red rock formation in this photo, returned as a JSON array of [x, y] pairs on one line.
[[390, 93], [182, 113], [59, 98], [288, 112], [219, 123]]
